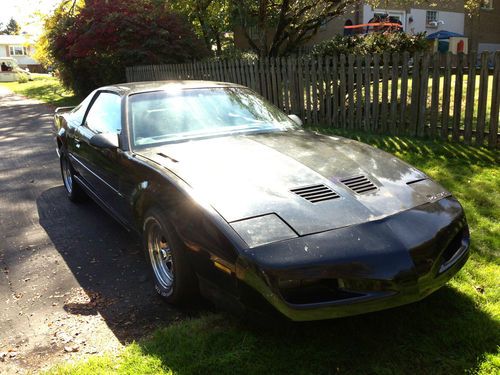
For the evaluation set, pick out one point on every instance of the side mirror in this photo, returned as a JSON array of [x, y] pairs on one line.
[[296, 119], [105, 140]]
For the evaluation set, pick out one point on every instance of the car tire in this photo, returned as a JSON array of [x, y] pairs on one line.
[[74, 192], [174, 278]]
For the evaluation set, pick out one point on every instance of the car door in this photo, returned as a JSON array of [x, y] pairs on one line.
[[103, 167]]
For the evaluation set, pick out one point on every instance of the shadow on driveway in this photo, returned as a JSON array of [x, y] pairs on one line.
[[109, 265]]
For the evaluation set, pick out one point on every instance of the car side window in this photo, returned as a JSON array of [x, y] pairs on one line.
[[78, 112], [104, 115]]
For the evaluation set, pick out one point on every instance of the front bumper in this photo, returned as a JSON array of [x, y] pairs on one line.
[[362, 268]]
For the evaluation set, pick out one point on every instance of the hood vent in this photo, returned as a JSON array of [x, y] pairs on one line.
[[316, 193], [359, 184]]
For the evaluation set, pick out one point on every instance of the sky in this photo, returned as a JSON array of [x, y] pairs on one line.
[[23, 12]]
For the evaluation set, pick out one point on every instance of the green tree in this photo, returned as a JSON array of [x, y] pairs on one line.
[[210, 19], [277, 27], [91, 42], [274, 28], [12, 28], [57, 23]]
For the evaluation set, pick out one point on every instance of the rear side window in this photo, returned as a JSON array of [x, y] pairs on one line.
[[78, 113], [104, 115]]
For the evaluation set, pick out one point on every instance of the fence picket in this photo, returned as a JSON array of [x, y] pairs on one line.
[[394, 92], [483, 95], [368, 78], [300, 86], [495, 104], [414, 95], [307, 88], [328, 81], [457, 107], [446, 97], [370, 93], [376, 93], [385, 92], [470, 97], [435, 94], [404, 93], [423, 91], [342, 92], [321, 92], [350, 91], [359, 92]]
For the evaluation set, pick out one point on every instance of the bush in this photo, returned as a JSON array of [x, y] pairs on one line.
[[23, 78], [93, 47], [374, 43]]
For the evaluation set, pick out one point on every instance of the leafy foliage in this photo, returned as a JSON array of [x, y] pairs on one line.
[[274, 28], [12, 28], [372, 43], [92, 43], [282, 26], [210, 19]]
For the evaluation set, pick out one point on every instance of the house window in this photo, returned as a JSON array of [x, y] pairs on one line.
[[18, 51], [486, 4], [431, 18]]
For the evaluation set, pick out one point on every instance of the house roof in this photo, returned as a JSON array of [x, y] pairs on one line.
[[15, 39]]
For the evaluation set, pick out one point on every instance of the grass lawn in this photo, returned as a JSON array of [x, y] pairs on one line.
[[455, 330], [45, 88]]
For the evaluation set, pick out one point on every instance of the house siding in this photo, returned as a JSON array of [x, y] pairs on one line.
[[484, 29]]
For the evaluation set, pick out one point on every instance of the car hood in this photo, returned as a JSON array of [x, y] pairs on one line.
[[245, 176]]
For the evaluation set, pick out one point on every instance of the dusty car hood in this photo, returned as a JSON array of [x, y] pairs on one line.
[[250, 175]]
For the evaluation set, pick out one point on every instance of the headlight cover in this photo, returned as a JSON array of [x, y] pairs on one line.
[[262, 230]]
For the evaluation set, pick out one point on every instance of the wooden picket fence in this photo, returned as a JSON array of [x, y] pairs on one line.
[[452, 97]]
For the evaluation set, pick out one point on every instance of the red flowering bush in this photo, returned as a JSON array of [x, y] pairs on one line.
[[92, 47]]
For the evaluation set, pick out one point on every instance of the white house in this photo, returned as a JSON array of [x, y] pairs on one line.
[[21, 48], [416, 20]]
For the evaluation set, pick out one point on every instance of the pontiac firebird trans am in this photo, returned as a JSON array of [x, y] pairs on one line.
[[235, 200]]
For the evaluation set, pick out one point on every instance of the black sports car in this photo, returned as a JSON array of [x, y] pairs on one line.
[[234, 199]]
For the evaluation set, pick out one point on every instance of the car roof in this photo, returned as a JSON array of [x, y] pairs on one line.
[[138, 87]]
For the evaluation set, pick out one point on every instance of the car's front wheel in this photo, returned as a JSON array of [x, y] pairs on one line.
[[174, 279], [74, 192]]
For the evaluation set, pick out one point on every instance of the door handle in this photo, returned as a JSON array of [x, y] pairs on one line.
[[77, 143]]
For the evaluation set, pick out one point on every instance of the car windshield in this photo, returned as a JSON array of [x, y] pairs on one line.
[[182, 114]]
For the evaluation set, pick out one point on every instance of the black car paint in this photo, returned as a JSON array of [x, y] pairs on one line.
[[392, 247]]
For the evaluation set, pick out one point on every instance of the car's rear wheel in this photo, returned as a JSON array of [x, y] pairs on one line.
[[174, 279], [74, 192]]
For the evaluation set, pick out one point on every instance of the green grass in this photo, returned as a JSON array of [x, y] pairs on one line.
[[44, 88], [456, 330]]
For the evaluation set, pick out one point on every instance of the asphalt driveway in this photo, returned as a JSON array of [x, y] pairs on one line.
[[73, 282]]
